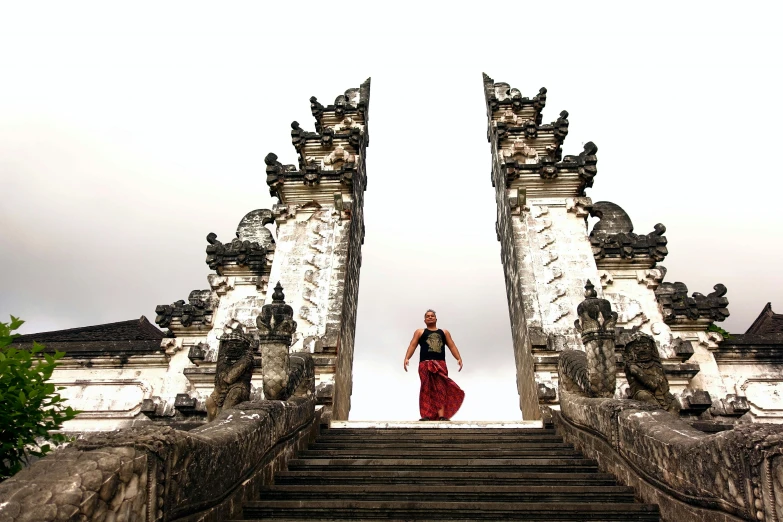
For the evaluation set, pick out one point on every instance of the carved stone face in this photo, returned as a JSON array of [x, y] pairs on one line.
[[643, 350], [234, 349]]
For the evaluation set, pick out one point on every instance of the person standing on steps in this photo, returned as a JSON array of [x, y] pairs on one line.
[[440, 397]]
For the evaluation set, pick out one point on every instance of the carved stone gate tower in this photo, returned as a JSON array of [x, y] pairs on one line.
[[540, 225], [320, 232], [316, 257]]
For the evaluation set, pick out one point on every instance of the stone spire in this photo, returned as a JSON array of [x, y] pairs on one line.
[[320, 231], [541, 226]]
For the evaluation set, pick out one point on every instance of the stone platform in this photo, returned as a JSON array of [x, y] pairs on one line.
[[437, 424]]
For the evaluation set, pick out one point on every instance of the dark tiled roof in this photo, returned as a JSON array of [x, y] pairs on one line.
[[751, 347], [135, 329], [768, 322], [134, 336]]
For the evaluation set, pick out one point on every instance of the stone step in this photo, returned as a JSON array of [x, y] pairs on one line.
[[443, 478], [429, 424], [461, 493], [436, 453], [434, 510], [450, 435], [365, 433], [552, 464], [463, 445], [433, 473]]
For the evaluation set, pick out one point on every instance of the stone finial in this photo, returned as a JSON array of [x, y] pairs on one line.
[[197, 311], [252, 227], [613, 219], [238, 252], [275, 328], [277, 295], [676, 306], [233, 371], [340, 104], [644, 372], [587, 162], [276, 321], [596, 325], [317, 111], [561, 126], [499, 94], [298, 136], [274, 173], [613, 238]]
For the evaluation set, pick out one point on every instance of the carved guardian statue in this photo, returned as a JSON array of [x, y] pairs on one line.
[[233, 373], [276, 327], [645, 375], [596, 324]]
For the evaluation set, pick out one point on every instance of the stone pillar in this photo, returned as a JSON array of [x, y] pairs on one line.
[[275, 328], [596, 325], [320, 230], [541, 226]]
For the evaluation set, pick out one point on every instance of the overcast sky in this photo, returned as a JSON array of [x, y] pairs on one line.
[[129, 133]]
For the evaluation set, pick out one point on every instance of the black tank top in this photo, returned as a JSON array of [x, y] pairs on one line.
[[432, 344]]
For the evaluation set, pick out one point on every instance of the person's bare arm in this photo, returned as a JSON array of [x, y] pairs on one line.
[[412, 347], [453, 348]]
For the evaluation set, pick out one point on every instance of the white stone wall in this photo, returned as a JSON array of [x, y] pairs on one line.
[[557, 261], [241, 299], [307, 254], [632, 294], [110, 392], [761, 384]]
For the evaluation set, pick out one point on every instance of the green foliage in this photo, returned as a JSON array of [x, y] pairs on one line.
[[715, 328], [30, 407]]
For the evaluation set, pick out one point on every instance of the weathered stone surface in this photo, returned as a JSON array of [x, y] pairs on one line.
[[572, 372], [644, 372], [677, 306], [612, 237], [732, 471], [186, 480], [234, 371], [596, 326], [275, 329], [196, 312], [542, 229]]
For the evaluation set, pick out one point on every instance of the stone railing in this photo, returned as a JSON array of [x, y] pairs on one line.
[[691, 475], [157, 473]]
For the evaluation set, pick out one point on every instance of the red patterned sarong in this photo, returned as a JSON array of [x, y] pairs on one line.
[[438, 391]]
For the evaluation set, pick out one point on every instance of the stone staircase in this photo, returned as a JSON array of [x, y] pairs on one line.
[[444, 474]]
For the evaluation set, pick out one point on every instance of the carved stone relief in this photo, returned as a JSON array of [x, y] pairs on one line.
[[644, 372], [234, 370]]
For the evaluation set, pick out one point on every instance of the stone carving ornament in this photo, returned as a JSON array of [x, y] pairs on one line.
[[644, 372], [233, 373], [596, 324], [613, 237], [675, 303], [276, 327], [241, 253], [197, 311]]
